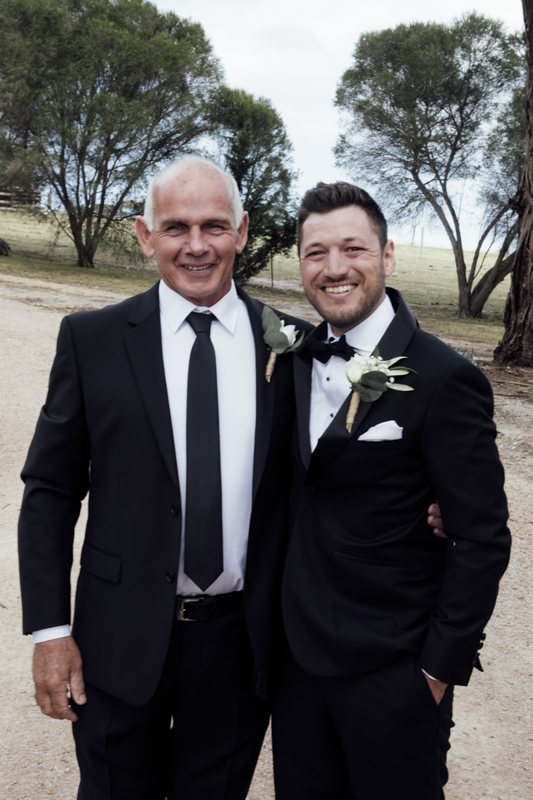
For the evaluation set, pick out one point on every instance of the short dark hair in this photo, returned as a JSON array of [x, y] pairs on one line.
[[325, 197]]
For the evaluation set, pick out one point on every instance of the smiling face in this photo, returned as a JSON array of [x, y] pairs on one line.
[[194, 238], [342, 266]]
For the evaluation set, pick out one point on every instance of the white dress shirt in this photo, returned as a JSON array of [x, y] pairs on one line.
[[233, 342], [330, 386]]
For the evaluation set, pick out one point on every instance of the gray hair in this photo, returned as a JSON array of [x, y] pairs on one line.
[[178, 166]]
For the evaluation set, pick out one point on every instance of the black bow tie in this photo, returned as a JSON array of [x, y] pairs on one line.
[[323, 351]]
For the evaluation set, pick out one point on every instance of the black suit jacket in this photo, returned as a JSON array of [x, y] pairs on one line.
[[106, 423], [365, 577]]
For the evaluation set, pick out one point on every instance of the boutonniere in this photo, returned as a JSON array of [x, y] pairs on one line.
[[279, 337], [369, 377]]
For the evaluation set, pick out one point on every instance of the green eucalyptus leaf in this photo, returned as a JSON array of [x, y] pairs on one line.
[[401, 387], [377, 386], [376, 377], [369, 395], [277, 341], [271, 321]]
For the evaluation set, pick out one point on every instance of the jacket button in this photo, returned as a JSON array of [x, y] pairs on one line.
[[171, 576], [311, 489], [174, 509]]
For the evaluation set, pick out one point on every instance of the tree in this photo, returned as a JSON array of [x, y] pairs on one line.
[[516, 347], [255, 148], [419, 102], [95, 93]]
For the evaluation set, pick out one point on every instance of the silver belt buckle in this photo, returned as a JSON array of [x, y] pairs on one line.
[[183, 604]]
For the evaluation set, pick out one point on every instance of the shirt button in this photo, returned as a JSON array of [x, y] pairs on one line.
[[171, 577], [174, 509]]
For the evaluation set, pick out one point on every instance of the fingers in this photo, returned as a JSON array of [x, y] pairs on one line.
[[77, 686], [435, 520], [56, 665], [437, 688]]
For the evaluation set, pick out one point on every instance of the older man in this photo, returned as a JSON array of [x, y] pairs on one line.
[[160, 404], [381, 617]]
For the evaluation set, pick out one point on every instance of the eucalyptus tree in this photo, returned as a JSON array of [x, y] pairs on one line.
[[516, 346], [254, 147], [94, 94], [419, 104]]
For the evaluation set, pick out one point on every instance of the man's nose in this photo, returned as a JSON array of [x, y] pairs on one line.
[[196, 244], [335, 267]]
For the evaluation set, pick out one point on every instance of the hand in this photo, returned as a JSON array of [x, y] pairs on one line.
[[437, 688], [56, 667], [435, 520]]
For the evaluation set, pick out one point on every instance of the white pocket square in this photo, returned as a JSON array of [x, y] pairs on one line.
[[385, 431]]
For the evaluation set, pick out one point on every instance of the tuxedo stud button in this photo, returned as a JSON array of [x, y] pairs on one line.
[[171, 576], [174, 509]]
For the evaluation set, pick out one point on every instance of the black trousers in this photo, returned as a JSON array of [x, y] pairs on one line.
[[199, 737], [378, 736]]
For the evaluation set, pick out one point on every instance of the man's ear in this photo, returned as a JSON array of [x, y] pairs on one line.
[[389, 259], [144, 237], [242, 234]]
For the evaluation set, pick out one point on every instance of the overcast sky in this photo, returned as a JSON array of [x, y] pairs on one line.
[[294, 51]]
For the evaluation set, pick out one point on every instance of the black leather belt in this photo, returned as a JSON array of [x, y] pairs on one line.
[[204, 607]]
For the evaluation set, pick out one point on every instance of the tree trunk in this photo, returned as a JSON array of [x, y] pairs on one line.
[[5, 249], [516, 347], [486, 285], [465, 295]]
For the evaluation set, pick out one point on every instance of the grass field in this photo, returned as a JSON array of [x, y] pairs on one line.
[[429, 283]]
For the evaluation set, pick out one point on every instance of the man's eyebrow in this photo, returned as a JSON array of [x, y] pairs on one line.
[[210, 221], [346, 239]]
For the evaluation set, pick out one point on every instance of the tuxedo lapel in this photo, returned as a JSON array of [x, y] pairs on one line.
[[143, 343], [265, 392], [393, 343]]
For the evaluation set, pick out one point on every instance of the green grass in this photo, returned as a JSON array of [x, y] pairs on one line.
[[55, 271]]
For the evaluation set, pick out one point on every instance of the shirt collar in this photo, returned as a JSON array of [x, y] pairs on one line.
[[365, 336], [175, 308]]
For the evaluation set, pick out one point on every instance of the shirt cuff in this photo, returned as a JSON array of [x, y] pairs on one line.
[[429, 676], [47, 634]]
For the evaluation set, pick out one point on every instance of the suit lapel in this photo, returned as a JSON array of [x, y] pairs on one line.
[[143, 343], [265, 392], [393, 343]]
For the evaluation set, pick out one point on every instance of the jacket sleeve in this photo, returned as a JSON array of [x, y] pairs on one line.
[[56, 477], [467, 476]]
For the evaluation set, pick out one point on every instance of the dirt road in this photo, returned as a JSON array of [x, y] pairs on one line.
[[492, 744]]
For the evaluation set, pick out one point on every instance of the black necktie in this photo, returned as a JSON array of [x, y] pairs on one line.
[[203, 506], [323, 351]]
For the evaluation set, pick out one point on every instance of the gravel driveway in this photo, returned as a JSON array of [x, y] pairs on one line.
[[492, 743]]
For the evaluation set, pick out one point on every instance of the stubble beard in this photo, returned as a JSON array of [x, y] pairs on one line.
[[345, 319]]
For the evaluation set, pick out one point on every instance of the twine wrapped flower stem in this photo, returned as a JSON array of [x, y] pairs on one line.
[[279, 337], [370, 377]]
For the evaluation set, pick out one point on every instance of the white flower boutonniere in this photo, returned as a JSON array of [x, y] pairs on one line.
[[370, 376], [279, 337]]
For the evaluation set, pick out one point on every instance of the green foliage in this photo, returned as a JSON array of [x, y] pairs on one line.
[[93, 94], [255, 148], [419, 103]]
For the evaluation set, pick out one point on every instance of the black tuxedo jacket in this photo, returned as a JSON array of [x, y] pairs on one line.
[[106, 423], [365, 577]]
